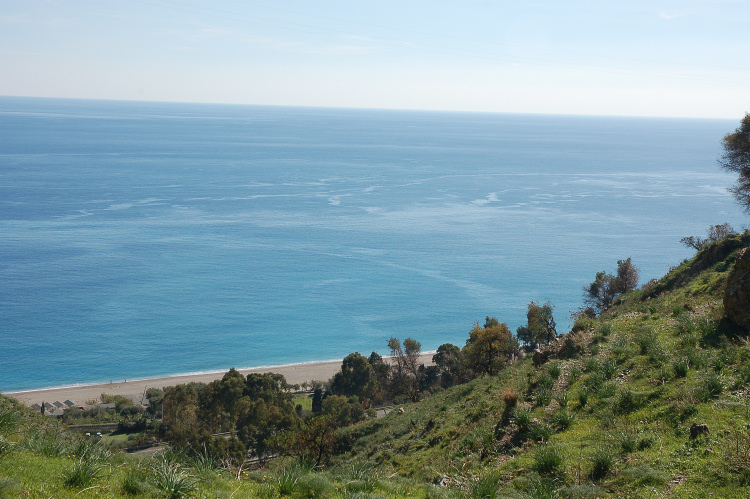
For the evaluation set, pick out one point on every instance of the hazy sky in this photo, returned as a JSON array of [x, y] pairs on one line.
[[630, 57]]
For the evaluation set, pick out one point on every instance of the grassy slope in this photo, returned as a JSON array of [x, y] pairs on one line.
[[611, 421], [640, 402]]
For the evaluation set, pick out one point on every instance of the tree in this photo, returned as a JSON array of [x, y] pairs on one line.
[[601, 293], [626, 278], [714, 233], [405, 375], [354, 376], [736, 158], [449, 362], [540, 326], [488, 349]]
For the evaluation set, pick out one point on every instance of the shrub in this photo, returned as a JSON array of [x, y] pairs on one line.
[[548, 460], [554, 371], [601, 463]]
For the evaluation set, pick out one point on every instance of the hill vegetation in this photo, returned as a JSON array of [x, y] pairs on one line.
[[648, 398]]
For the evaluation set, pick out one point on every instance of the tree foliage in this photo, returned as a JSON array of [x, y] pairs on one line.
[[736, 158], [540, 326], [601, 293], [489, 348], [714, 233], [354, 377]]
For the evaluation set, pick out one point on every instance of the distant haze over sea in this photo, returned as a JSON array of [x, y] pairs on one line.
[[145, 239]]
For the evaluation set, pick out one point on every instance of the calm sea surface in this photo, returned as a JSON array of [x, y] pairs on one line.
[[144, 239]]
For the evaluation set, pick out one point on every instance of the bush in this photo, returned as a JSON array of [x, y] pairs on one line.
[[548, 460], [554, 371]]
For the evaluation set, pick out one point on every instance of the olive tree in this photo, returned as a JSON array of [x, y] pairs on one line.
[[736, 158]]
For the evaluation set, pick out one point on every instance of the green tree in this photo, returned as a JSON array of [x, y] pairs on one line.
[[714, 233], [345, 411], [449, 361], [405, 374], [354, 377], [736, 158], [540, 326], [489, 349], [601, 293], [312, 441]]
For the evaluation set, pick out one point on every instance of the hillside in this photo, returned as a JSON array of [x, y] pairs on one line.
[[605, 411], [608, 414]]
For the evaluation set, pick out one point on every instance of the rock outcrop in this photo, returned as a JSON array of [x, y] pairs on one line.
[[737, 294]]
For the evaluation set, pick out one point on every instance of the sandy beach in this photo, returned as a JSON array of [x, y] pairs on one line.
[[80, 395]]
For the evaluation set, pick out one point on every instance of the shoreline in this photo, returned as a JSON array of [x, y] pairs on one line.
[[296, 373]]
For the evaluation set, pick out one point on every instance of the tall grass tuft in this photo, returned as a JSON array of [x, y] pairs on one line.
[[172, 479], [48, 441], [601, 463], [486, 487], [710, 386], [681, 367], [83, 472], [548, 460]]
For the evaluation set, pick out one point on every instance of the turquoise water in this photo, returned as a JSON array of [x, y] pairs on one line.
[[146, 239]]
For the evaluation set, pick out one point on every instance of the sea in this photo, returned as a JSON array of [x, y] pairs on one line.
[[142, 239]]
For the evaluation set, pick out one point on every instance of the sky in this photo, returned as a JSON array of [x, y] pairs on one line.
[[687, 58]]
